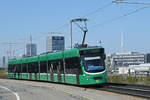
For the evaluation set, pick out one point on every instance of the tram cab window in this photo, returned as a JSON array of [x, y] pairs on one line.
[[93, 63]]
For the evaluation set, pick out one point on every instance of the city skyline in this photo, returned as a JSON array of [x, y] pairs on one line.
[[19, 19]]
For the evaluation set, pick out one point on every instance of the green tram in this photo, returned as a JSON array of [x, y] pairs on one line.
[[78, 66]]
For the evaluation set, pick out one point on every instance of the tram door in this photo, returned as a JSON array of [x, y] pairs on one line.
[[36, 70], [15, 71], [77, 74], [19, 76], [30, 76], [59, 71], [51, 72], [35, 76]]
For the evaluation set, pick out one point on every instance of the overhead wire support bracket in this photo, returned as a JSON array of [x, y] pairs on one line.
[[126, 2]]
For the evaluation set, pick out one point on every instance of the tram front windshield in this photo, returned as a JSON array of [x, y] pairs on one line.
[[93, 60], [93, 64]]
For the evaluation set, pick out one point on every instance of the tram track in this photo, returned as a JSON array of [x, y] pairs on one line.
[[128, 89], [3, 77]]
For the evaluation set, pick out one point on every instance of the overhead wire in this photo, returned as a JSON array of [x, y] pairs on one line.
[[88, 14], [108, 21], [119, 17], [98, 9], [126, 2], [62, 26]]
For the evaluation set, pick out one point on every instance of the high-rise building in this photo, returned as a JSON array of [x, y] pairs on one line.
[[54, 43], [31, 49]]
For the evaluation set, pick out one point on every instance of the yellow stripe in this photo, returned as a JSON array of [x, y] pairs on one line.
[[67, 92], [87, 98]]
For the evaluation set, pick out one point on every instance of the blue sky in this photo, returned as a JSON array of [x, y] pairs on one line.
[[19, 18]]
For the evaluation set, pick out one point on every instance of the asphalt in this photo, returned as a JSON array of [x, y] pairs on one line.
[[30, 90]]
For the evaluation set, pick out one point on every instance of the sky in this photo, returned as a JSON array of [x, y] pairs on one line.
[[106, 22]]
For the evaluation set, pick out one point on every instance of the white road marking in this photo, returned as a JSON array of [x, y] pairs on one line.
[[15, 93]]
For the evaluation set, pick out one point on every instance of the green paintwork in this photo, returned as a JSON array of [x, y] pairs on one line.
[[16, 75], [85, 79], [25, 76], [62, 78], [54, 56], [30, 59], [49, 79], [10, 75], [43, 57], [38, 76], [55, 78], [33, 76], [71, 79], [43, 77], [71, 53], [11, 61], [89, 79], [19, 61]]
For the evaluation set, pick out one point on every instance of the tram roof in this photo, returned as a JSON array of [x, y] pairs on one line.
[[53, 56]]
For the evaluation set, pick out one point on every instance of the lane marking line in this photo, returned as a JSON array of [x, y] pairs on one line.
[[15, 93], [67, 92], [88, 98]]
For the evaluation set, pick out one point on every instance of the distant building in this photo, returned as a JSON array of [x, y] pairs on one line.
[[114, 61], [147, 58], [31, 49], [140, 69], [54, 43], [4, 61], [123, 70]]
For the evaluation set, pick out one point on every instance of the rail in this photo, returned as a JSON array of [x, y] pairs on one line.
[[129, 89]]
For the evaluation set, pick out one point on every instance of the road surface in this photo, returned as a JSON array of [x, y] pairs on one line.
[[30, 90]]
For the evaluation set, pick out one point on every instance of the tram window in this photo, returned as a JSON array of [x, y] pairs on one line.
[[72, 65], [15, 68], [33, 67], [49, 66], [72, 62], [36, 68], [30, 67], [61, 66], [18, 68], [24, 68], [55, 65], [43, 66], [10, 68]]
